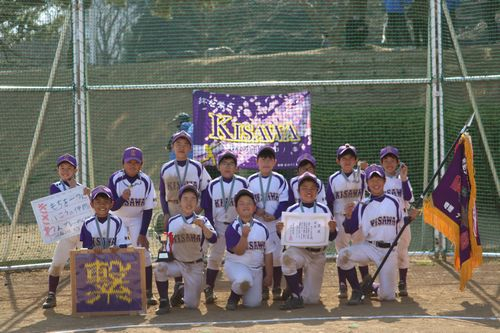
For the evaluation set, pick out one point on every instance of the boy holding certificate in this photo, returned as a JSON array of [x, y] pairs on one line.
[[310, 259]]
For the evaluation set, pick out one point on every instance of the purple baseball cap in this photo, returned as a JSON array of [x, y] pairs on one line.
[[101, 189], [67, 158], [188, 188], [227, 154], [241, 193], [132, 154], [266, 151], [307, 176], [345, 148], [389, 150], [374, 169], [306, 157], [182, 134]]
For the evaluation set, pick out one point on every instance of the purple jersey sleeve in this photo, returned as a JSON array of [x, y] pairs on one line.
[[206, 204], [86, 238], [146, 220], [164, 203], [232, 238], [117, 201], [352, 225], [54, 189], [282, 206], [329, 197], [407, 195], [291, 195], [332, 235]]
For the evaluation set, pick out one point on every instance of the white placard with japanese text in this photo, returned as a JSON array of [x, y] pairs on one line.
[[61, 215], [305, 229]]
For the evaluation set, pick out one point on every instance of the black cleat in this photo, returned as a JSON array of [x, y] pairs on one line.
[[163, 308], [292, 303], [178, 295], [50, 301]]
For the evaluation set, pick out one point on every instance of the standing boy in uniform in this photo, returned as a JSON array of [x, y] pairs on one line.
[[67, 167], [379, 218], [249, 248], [271, 194], [397, 184], [103, 230], [218, 203], [190, 232], [311, 259], [134, 199], [344, 187], [173, 175], [305, 163]]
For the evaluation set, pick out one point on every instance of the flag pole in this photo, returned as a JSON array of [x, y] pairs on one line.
[[419, 201]]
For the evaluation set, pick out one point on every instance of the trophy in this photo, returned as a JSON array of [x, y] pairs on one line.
[[165, 253]]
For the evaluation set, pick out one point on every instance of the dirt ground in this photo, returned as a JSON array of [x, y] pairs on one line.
[[435, 305]]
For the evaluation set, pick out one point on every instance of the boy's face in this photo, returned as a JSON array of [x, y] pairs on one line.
[[227, 168], [266, 165], [376, 185], [189, 202], [102, 205], [66, 171], [306, 167], [390, 164], [181, 148], [132, 168], [246, 207], [347, 162], [308, 191]]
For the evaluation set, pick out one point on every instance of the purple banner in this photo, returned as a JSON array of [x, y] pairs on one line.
[[108, 282], [243, 124]]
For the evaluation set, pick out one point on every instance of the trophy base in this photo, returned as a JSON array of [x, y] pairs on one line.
[[164, 257]]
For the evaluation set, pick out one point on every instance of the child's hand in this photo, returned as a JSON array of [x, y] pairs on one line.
[[199, 223], [260, 212], [348, 209], [143, 241], [86, 191], [97, 250], [114, 249], [126, 194], [269, 217], [279, 227], [363, 165], [403, 172], [72, 182], [245, 231], [332, 225]]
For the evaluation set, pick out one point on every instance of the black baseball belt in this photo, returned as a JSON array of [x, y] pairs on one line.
[[315, 249], [192, 262], [381, 244]]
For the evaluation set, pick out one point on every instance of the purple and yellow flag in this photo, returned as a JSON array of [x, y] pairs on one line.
[[451, 209]]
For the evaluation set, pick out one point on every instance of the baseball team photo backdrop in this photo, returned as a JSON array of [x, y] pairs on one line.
[[93, 77]]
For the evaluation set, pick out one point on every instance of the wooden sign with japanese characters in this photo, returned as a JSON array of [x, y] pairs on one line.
[[108, 282], [305, 230]]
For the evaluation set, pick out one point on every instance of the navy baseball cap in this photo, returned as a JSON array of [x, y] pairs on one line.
[[374, 169], [67, 158], [132, 154], [389, 150], [182, 134], [266, 151], [101, 189], [307, 176], [241, 193], [346, 148], [227, 154], [306, 158], [188, 188]]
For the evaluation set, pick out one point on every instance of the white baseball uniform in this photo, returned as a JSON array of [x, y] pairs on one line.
[[175, 174], [311, 259], [379, 219], [188, 256], [142, 197], [342, 190], [294, 191], [218, 203], [104, 234], [246, 269], [271, 194], [64, 246], [404, 192]]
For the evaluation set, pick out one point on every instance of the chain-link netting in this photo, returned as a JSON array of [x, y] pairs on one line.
[[143, 59]]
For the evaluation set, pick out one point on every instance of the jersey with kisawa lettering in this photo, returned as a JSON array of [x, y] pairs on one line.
[[401, 190], [103, 234], [379, 218], [175, 174], [142, 193], [271, 192], [343, 189], [60, 186], [258, 243], [218, 199], [294, 195], [188, 237]]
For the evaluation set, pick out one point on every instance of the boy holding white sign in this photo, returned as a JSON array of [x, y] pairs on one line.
[[67, 167], [311, 259]]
